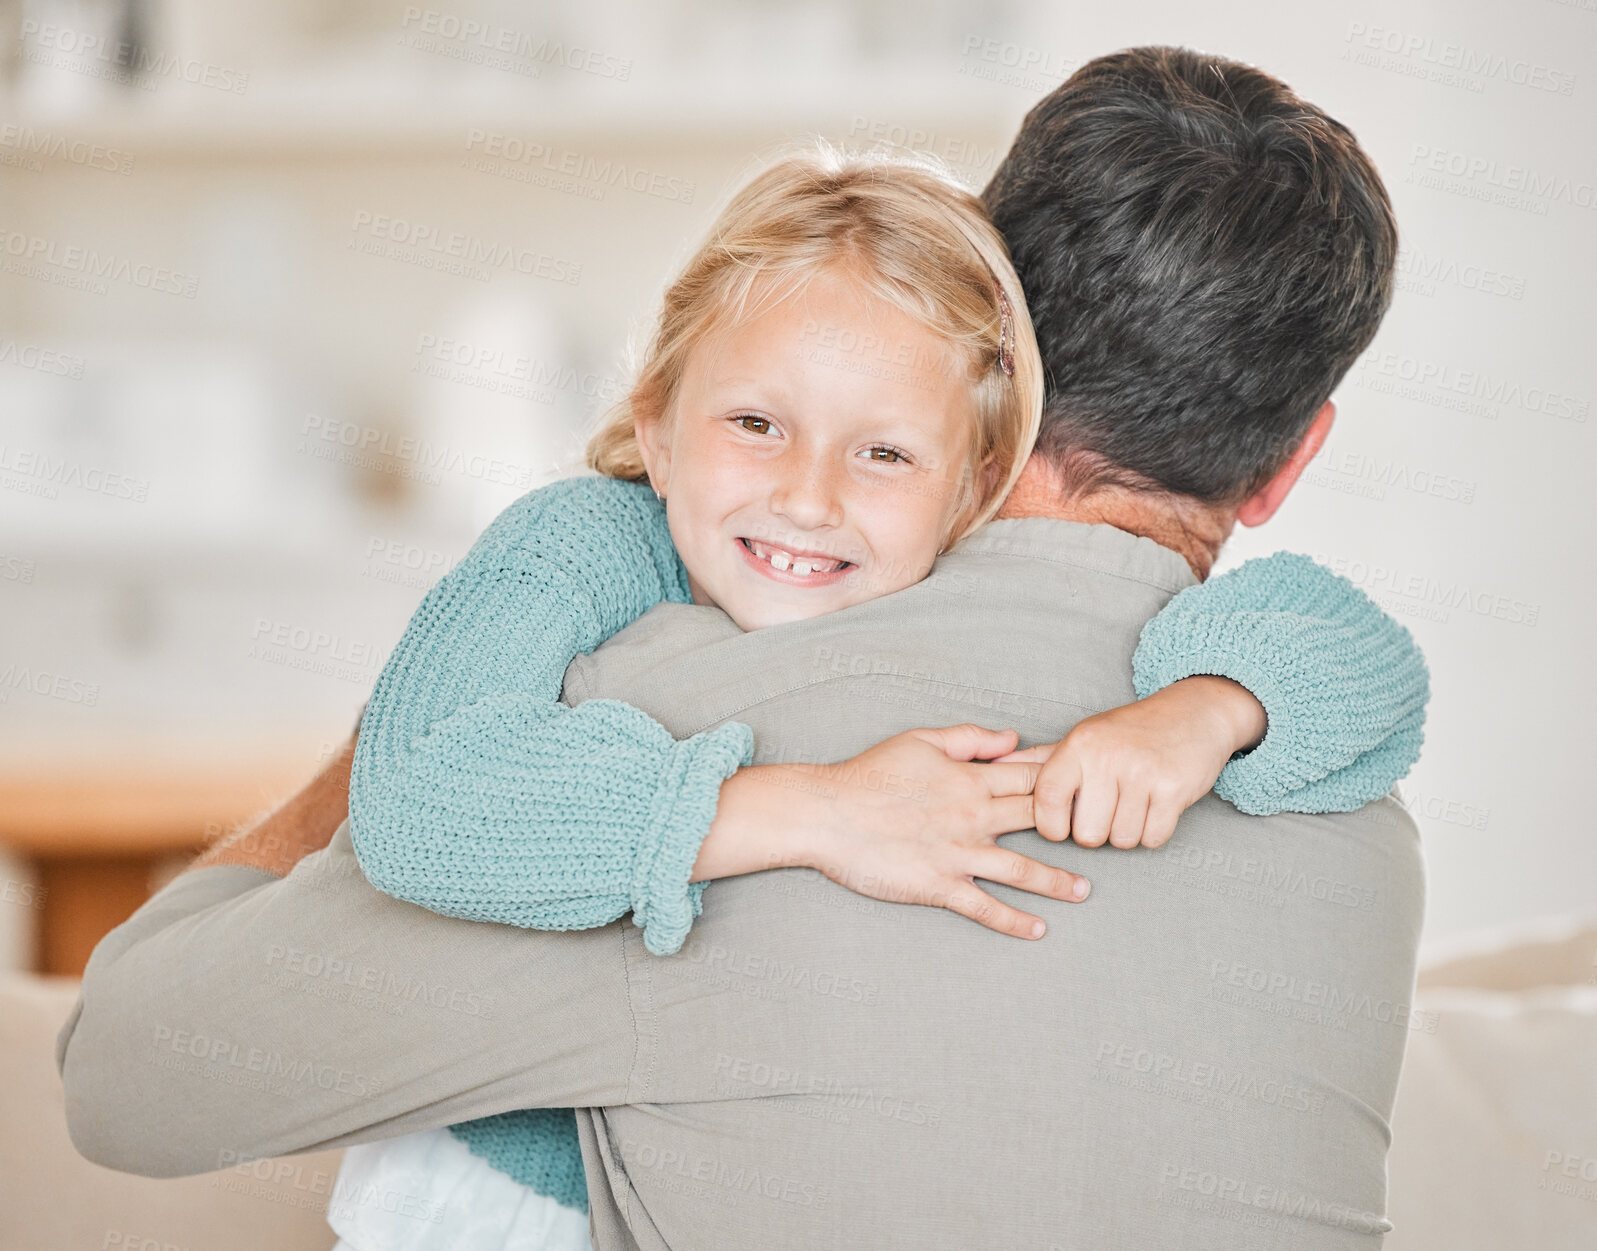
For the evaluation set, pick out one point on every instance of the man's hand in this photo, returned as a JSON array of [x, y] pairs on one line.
[[303, 824], [1128, 774]]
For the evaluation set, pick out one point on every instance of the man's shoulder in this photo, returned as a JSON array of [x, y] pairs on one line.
[[1367, 857], [1388, 812], [1385, 821], [1038, 606], [632, 652]]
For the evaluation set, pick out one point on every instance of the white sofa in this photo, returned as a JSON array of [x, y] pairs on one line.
[[55, 1200], [1494, 1137], [1495, 1132]]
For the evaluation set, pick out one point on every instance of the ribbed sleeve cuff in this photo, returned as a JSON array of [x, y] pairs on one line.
[[664, 902], [1366, 780], [1327, 747], [1254, 783], [1343, 684]]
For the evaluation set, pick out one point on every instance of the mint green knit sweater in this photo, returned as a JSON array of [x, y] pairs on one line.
[[475, 793]]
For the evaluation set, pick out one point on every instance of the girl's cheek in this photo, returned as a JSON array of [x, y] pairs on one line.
[[728, 462], [904, 555]]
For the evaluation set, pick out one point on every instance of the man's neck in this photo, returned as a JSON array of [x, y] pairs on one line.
[[1193, 530]]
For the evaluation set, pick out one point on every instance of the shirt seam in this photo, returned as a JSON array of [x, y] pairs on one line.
[[638, 992], [1111, 571]]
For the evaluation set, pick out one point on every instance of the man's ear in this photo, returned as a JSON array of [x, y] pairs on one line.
[[654, 447], [1262, 504]]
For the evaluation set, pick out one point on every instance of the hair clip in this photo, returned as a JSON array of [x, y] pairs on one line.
[[1006, 332]]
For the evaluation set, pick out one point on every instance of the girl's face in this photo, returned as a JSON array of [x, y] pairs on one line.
[[813, 455]]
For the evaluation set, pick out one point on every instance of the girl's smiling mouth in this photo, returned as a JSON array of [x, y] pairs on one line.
[[793, 567]]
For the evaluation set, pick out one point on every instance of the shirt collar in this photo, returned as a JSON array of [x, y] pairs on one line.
[[1101, 548]]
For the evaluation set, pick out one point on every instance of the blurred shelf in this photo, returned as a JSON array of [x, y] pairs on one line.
[[97, 839], [431, 123], [138, 810]]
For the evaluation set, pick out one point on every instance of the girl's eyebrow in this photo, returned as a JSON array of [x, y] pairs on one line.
[[759, 392]]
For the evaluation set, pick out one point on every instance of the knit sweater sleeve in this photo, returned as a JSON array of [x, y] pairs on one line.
[[1343, 684], [476, 793]]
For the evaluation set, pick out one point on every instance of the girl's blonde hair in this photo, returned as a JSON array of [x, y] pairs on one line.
[[910, 235]]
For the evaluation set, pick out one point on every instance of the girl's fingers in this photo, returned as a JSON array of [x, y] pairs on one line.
[[1057, 788], [1094, 811], [971, 901], [999, 864], [1162, 817], [1131, 815]]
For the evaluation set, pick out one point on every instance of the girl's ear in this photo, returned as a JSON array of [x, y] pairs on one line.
[[654, 449], [974, 484], [979, 483], [989, 477]]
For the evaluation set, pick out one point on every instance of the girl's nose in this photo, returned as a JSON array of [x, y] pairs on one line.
[[808, 494]]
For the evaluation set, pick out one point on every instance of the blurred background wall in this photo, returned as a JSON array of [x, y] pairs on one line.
[[295, 297]]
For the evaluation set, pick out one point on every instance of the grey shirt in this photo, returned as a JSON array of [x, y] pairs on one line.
[[1203, 1054]]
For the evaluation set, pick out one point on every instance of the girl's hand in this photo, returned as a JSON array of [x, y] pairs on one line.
[[1128, 774], [916, 818]]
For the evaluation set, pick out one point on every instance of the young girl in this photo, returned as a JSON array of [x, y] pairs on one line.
[[844, 384]]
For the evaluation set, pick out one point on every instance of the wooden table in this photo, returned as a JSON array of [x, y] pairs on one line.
[[97, 838]]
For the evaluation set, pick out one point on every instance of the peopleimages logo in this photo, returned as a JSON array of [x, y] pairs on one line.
[[1446, 385], [1447, 54], [1013, 64], [962, 153], [40, 474], [503, 47], [226, 1059], [454, 251], [564, 169], [1363, 474], [35, 256], [1246, 1193], [405, 456], [1425, 595], [30, 142], [1425, 272], [45, 360], [123, 60], [353, 976], [15, 677], [1485, 178], [495, 368]]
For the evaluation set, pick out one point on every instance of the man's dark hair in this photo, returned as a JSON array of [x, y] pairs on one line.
[[1204, 255]]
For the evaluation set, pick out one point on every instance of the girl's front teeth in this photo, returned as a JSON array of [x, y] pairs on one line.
[[801, 567], [798, 565]]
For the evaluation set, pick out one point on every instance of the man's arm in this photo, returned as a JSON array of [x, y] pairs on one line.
[[239, 1016], [303, 824]]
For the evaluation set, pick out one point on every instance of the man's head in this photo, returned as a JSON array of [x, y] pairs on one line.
[[1204, 254]]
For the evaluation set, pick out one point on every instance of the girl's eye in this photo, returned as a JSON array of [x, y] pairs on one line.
[[883, 454], [763, 422]]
